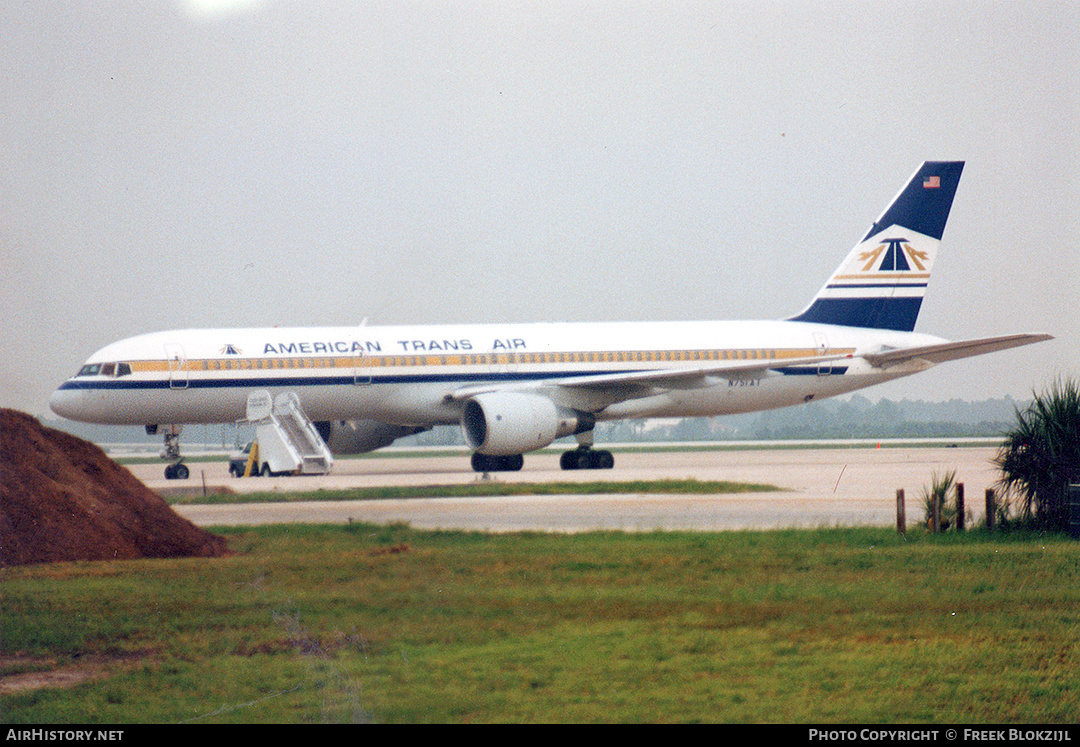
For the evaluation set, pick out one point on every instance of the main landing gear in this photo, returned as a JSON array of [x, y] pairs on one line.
[[488, 463], [582, 457], [585, 457], [177, 470]]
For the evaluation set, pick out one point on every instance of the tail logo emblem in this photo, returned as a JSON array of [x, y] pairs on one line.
[[897, 253]]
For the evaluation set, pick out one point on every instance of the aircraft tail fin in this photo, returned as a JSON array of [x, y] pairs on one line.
[[882, 281]]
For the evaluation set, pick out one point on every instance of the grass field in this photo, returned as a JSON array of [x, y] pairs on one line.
[[387, 624], [481, 489]]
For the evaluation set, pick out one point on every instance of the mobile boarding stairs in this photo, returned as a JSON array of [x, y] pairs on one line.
[[286, 441]]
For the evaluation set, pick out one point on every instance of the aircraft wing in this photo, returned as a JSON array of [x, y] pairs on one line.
[[605, 389], [950, 351], [617, 387], [692, 377]]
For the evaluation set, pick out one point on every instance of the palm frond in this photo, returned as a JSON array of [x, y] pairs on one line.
[[1041, 455]]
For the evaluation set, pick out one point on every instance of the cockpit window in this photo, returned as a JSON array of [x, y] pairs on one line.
[[105, 369]]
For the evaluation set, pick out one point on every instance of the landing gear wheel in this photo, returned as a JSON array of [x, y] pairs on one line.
[[489, 463], [177, 472], [586, 459]]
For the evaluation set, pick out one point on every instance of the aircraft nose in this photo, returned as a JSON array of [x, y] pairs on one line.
[[67, 403]]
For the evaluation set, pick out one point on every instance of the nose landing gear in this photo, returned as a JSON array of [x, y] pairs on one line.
[[177, 470]]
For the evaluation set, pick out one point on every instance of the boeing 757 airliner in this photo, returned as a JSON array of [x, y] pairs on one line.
[[515, 388]]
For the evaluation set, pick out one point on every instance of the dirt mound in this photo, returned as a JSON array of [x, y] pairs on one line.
[[62, 498]]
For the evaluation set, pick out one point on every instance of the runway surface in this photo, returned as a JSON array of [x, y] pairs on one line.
[[818, 487]]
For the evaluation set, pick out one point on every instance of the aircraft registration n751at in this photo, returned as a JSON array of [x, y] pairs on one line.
[[516, 388]]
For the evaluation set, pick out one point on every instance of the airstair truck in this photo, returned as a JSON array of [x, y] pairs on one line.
[[286, 441]]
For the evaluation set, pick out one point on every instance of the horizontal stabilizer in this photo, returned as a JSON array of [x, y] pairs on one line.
[[951, 351]]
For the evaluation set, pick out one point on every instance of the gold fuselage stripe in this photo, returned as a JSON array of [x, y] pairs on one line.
[[284, 363]]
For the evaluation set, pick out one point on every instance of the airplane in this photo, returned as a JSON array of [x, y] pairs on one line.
[[516, 388]]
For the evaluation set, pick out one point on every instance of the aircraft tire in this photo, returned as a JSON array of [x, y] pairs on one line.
[[603, 460], [586, 459], [488, 463], [176, 472]]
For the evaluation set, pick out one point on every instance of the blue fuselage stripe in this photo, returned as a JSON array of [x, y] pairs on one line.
[[816, 371], [877, 285], [288, 381], [307, 381]]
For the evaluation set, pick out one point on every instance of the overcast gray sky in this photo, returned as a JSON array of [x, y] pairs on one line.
[[201, 164]]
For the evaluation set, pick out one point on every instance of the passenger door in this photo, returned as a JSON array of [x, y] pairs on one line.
[[177, 363]]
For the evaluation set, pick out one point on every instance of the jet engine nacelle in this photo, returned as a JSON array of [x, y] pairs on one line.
[[359, 436], [508, 423]]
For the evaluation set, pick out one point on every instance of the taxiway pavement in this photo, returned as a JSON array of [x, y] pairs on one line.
[[817, 487]]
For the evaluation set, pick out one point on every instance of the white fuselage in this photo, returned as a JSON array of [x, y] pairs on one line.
[[408, 374]]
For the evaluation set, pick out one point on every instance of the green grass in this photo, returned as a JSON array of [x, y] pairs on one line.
[[479, 489], [388, 624]]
